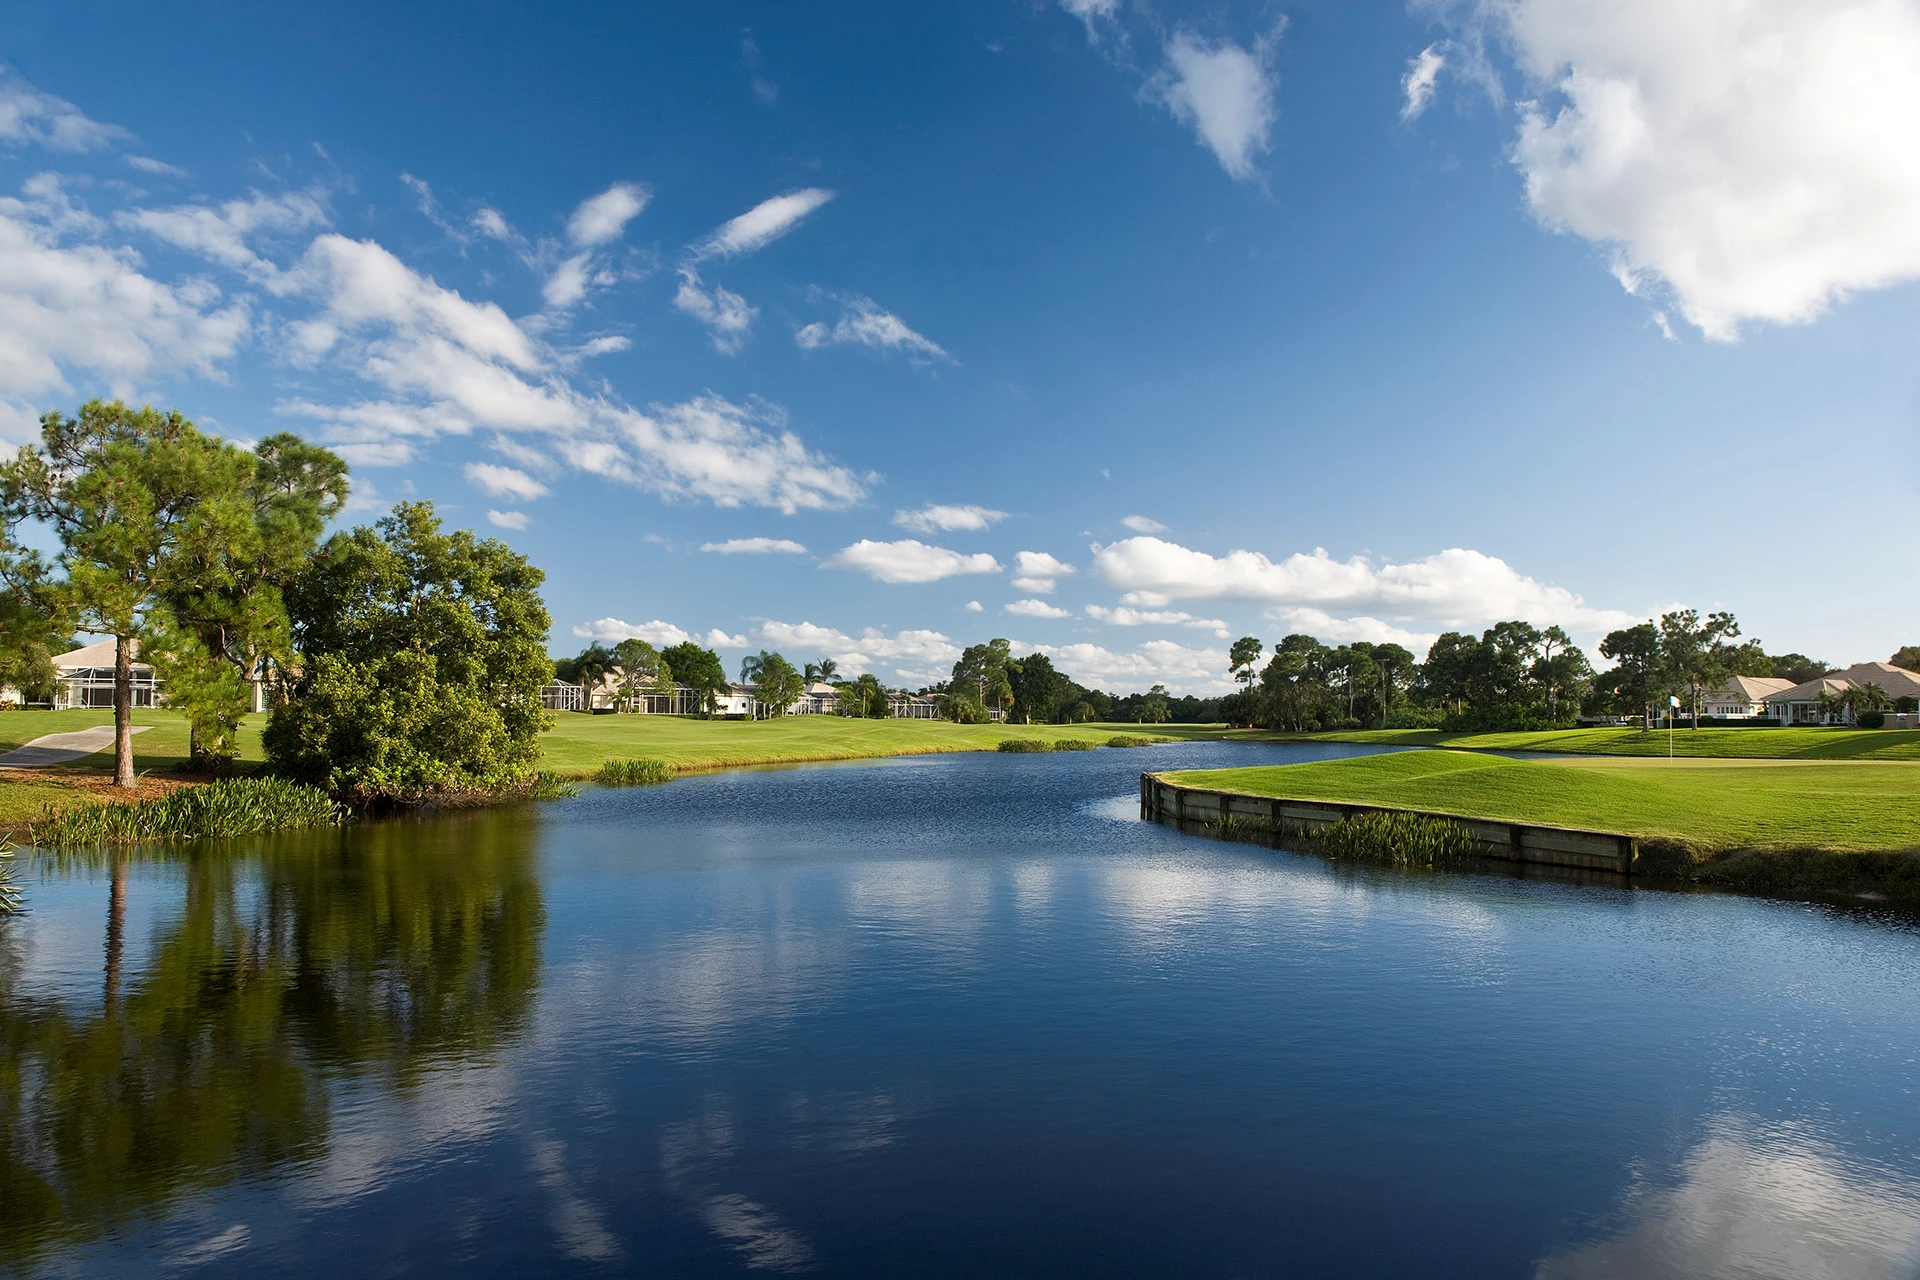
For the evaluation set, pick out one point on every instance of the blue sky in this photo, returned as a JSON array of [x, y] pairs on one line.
[[1118, 329]]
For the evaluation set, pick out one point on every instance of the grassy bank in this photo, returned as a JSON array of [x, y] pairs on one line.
[[1772, 826], [1804, 742], [579, 744]]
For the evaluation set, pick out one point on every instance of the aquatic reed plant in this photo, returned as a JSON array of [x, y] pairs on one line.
[[12, 901], [641, 772], [1131, 740], [230, 807], [1397, 839], [1024, 744], [1074, 744]]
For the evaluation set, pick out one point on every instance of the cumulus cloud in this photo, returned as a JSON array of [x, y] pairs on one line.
[[1755, 157], [1181, 668], [917, 655], [949, 519], [30, 117], [1454, 587], [1423, 75], [509, 519], [755, 546], [761, 225], [1036, 609], [1036, 571], [504, 482], [730, 454], [377, 433], [91, 309], [908, 560], [863, 322], [1126, 616], [568, 283], [605, 216], [1140, 524], [973, 606], [221, 232], [614, 630], [1324, 627], [727, 315], [1224, 92]]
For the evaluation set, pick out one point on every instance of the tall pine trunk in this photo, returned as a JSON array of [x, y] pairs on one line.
[[123, 712]]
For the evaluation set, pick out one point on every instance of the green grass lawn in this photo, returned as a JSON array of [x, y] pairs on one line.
[[579, 743], [162, 746], [1805, 742], [1712, 806]]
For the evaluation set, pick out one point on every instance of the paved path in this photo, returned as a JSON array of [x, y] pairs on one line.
[[59, 748]]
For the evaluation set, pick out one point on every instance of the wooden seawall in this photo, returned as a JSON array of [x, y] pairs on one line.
[[1183, 807]]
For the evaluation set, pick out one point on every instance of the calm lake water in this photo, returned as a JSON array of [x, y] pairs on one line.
[[958, 1015]]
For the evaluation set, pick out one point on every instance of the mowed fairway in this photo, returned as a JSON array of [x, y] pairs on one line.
[[1712, 805], [579, 744], [1799, 742]]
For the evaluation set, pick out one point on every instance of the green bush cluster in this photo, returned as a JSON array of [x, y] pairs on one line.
[[231, 807], [1074, 744], [642, 772], [1133, 740], [1024, 744], [1398, 839]]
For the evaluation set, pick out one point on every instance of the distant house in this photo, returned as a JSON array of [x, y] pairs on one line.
[[1803, 703], [84, 678], [1743, 696], [818, 699], [913, 706]]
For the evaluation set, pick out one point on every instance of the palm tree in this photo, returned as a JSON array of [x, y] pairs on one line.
[[592, 666], [750, 666]]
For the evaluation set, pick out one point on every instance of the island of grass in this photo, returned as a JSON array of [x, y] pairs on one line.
[[1774, 826]]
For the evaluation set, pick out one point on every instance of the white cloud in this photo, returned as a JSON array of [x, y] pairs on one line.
[[973, 606], [604, 345], [159, 168], [1126, 616], [568, 283], [504, 482], [761, 225], [614, 630], [28, 116], [948, 519], [1036, 571], [1224, 92], [509, 519], [1180, 668], [1090, 11], [755, 546], [1756, 156], [1328, 629], [908, 560], [863, 322], [1140, 524], [1036, 609], [221, 232], [491, 223], [1423, 74], [606, 215], [729, 454], [88, 308], [718, 639], [1453, 587], [727, 315], [377, 433]]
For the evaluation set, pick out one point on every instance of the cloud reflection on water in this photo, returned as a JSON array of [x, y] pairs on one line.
[[1759, 1201]]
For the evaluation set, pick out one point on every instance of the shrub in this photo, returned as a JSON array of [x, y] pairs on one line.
[[1398, 839], [1024, 744], [1129, 740], [1417, 718], [1074, 744], [11, 901], [232, 807], [642, 772]]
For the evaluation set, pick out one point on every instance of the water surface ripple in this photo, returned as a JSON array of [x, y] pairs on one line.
[[955, 1015]]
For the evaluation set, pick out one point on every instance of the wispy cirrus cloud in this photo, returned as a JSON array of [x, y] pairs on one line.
[[755, 547], [936, 518], [504, 482], [761, 225], [865, 323]]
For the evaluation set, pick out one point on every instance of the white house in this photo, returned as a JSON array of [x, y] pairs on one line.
[[1801, 704], [1743, 696], [84, 678]]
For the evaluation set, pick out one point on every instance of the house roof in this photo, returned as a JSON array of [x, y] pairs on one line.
[[93, 655], [1895, 682], [821, 687], [1752, 688]]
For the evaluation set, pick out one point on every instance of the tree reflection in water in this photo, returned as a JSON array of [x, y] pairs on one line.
[[292, 962]]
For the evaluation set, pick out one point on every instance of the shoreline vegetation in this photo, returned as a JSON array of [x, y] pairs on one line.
[[1777, 826]]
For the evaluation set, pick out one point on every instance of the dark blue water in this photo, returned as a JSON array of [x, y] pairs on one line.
[[939, 1016]]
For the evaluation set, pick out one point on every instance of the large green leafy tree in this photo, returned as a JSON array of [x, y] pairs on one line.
[[1397, 671], [1242, 658], [1294, 681], [146, 509], [779, 685], [1639, 674], [980, 680], [422, 656], [639, 665], [700, 670], [229, 623], [1036, 688], [1696, 652]]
